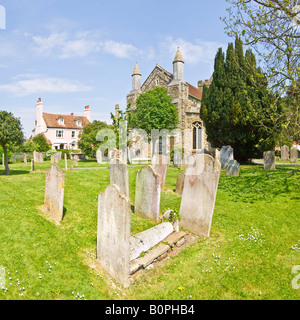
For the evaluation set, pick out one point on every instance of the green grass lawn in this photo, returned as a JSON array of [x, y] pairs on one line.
[[253, 247]]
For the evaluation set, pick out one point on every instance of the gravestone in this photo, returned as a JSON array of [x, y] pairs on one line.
[[99, 156], [54, 192], [147, 194], [180, 183], [38, 157], [269, 160], [199, 194], [160, 166], [233, 168], [25, 158], [285, 153], [119, 175], [32, 165], [294, 155], [177, 161], [113, 234], [226, 154]]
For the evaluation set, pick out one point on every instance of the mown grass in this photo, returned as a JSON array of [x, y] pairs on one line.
[[254, 242]]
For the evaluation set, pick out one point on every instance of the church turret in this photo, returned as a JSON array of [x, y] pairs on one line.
[[136, 79], [178, 67]]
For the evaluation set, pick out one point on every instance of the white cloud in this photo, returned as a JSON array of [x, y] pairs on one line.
[[192, 52], [119, 49], [81, 44], [37, 85]]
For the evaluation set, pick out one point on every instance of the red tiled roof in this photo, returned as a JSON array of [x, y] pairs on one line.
[[195, 92], [70, 121]]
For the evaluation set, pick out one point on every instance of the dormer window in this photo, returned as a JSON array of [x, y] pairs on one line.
[[79, 123], [61, 122]]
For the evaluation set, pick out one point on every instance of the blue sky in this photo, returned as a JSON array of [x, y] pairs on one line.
[[77, 53]]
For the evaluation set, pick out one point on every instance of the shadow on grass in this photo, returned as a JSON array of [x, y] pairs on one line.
[[14, 173], [259, 184]]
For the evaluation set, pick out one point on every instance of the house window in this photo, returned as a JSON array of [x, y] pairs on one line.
[[197, 135], [59, 133], [61, 122], [79, 123], [73, 134]]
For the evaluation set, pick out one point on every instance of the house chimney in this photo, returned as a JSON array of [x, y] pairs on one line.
[[117, 109], [40, 123], [87, 113]]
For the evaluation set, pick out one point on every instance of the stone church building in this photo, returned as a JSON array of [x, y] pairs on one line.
[[185, 96]]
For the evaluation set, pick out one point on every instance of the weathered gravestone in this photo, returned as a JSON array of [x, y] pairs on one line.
[[294, 155], [99, 157], [38, 157], [199, 194], [233, 168], [147, 194], [32, 165], [285, 153], [269, 160], [177, 161], [54, 192], [119, 175], [180, 183], [226, 154], [160, 165], [25, 158], [113, 235], [145, 240]]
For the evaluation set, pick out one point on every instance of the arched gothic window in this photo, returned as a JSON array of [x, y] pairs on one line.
[[197, 135]]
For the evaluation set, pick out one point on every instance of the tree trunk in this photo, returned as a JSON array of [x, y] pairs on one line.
[[6, 171]]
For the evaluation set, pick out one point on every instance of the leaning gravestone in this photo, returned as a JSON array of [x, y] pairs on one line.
[[233, 168], [119, 175], [226, 154], [54, 192], [269, 160], [147, 194], [180, 183], [294, 155], [113, 235], [284, 153], [199, 194], [160, 166]]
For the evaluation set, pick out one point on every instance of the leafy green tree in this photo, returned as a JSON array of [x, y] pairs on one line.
[[11, 135], [154, 110], [40, 143], [238, 109], [271, 28], [88, 138]]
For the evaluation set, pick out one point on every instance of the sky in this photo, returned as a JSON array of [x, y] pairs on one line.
[[73, 53]]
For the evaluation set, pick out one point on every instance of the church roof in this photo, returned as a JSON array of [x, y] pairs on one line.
[[195, 92], [70, 121]]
